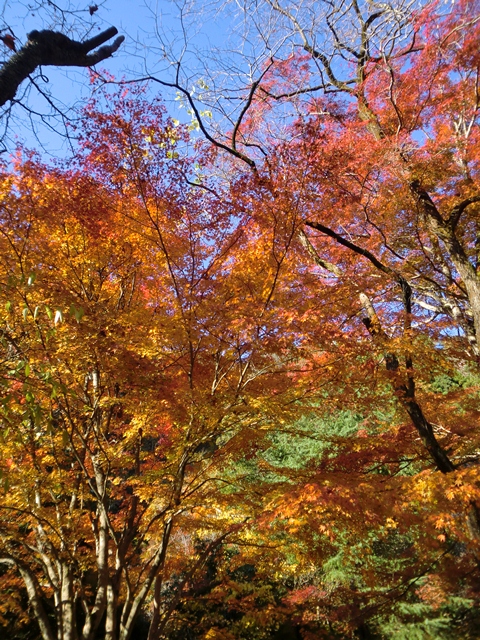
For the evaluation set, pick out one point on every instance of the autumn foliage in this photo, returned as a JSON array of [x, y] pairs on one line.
[[241, 399]]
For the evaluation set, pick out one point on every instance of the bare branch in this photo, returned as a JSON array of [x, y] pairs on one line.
[[51, 48]]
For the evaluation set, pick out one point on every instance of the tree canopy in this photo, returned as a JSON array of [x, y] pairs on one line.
[[240, 371]]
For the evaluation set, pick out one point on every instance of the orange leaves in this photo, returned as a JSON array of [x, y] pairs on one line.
[[151, 338], [9, 41], [433, 591], [157, 332]]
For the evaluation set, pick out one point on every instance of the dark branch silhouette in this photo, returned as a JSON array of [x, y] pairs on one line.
[[51, 48]]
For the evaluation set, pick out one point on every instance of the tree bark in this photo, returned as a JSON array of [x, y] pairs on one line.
[[405, 391], [34, 598], [445, 231]]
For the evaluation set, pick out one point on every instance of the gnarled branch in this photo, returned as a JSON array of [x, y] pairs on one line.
[[51, 48]]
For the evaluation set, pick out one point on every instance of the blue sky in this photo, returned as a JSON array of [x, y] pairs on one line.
[[69, 86]]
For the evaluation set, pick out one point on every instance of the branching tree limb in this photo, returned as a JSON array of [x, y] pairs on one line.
[[51, 48], [404, 388]]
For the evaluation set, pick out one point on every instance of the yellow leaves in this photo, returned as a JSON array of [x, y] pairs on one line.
[[132, 433], [391, 523], [451, 493], [441, 522], [218, 634], [176, 335]]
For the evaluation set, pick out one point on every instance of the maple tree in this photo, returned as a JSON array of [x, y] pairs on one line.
[[377, 159], [171, 311], [142, 351], [387, 184]]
